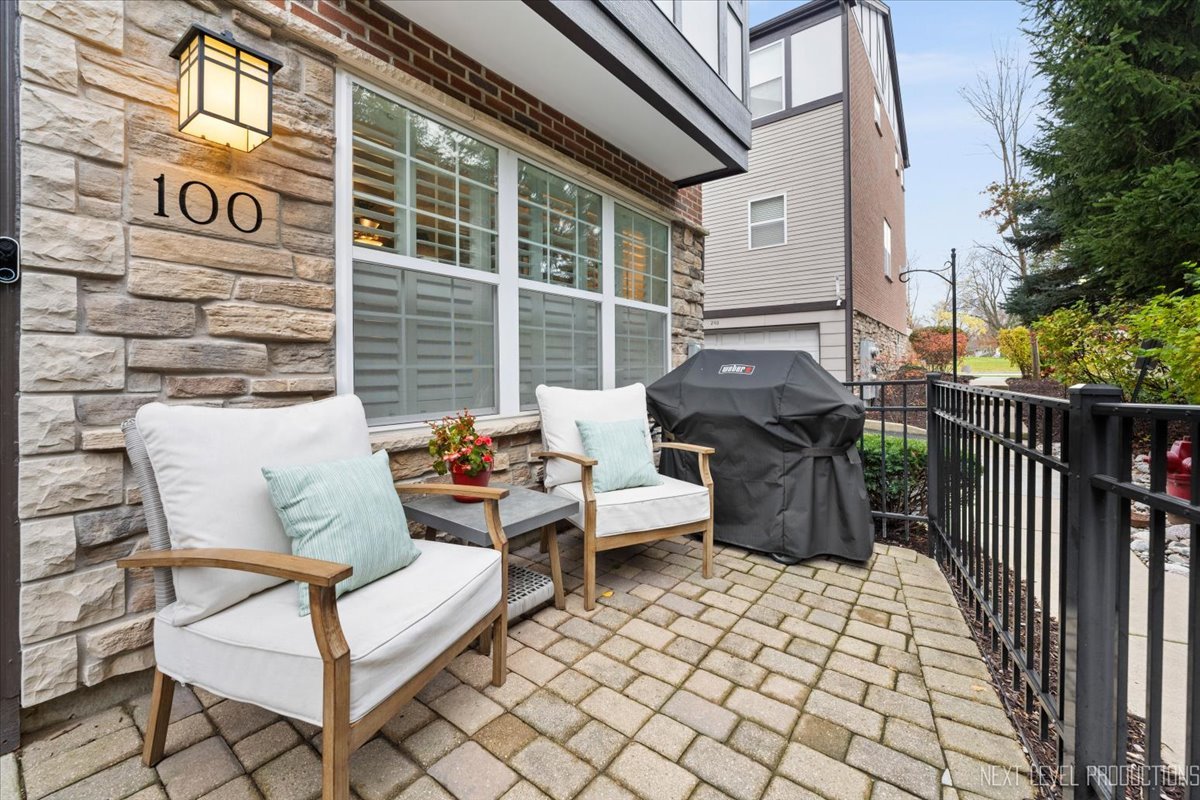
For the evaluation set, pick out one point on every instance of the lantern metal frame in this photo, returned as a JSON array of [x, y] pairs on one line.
[[273, 65]]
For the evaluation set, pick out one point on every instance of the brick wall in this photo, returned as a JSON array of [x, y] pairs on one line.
[[876, 194], [380, 31], [121, 307]]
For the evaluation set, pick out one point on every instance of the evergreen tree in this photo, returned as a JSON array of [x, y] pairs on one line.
[[1118, 153]]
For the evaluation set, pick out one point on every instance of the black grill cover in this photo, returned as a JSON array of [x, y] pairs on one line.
[[787, 475]]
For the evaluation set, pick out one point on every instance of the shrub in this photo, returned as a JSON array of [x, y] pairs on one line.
[[1084, 345], [935, 346], [883, 467], [1015, 346], [1174, 320]]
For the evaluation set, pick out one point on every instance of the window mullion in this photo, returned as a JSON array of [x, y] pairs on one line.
[[608, 285], [343, 239], [508, 342]]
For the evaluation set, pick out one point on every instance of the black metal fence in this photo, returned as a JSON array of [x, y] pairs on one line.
[[895, 454], [1029, 515]]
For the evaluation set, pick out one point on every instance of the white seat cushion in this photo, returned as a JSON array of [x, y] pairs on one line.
[[208, 466], [672, 502], [561, 408], [262, 651]]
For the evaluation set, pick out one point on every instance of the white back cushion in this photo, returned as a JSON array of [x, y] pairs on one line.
[[561, 407], [208, 465]]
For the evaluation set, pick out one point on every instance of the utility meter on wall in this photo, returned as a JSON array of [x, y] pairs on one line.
[[868, 367]]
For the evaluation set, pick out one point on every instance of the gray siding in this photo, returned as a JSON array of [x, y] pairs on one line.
[[802, 156]]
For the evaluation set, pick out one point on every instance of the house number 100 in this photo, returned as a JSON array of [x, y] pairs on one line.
[[214, 204]]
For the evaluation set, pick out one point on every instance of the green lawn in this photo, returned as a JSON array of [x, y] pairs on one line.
[[987, 365]]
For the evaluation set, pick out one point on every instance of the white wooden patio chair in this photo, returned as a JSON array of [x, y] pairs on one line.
[[626, 516], [228, 618]]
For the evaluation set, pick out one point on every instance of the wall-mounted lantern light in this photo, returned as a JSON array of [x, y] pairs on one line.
[[224, 89]]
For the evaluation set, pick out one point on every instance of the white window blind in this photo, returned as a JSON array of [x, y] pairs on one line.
[[468, 274], [560, 343], [423, 343], [641, 345], [768, 221], [642, 258], [766, 80], [558, 229], [420, 188]]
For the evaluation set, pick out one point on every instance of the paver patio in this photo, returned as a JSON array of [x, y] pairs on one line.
[[820, 680]]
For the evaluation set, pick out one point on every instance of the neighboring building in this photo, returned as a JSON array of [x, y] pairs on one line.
[[804, 250], [458, 202]]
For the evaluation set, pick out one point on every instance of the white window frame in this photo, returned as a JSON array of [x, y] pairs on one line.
[[878, 113], [750, 226], [887, 250], [506, 279], [782, 76], [735, 80]]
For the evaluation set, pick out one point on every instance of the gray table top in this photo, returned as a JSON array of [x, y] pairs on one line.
[[522, 511]]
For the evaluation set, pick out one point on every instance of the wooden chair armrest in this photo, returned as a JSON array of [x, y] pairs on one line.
[[583, 461], [491, 497], [263, 562], [691, 448], [483, 492]]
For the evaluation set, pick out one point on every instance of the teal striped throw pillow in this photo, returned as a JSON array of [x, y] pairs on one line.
[[622, 459], [344, 511]]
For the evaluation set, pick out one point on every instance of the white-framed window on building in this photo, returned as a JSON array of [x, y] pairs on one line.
[[643, 296], [733, 51], [701, 21], [468, 273], [558, 229], [767, 221], [422, 189], [766, 80], [878, 118], [887, 249], [641, 345]]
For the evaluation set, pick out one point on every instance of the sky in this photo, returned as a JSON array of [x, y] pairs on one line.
[[941, 45]]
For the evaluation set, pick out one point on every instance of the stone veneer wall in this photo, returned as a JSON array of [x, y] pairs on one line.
[[892, 344], [121, 307]]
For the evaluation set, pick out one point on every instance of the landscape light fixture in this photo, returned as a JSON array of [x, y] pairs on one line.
[[225, 89]]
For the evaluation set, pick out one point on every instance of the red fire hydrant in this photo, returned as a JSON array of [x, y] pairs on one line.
[[1179, 469]]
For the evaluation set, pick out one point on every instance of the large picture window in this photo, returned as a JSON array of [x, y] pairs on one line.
[[468, 274]]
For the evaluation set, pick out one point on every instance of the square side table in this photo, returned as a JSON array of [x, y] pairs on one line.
[[522, 511]]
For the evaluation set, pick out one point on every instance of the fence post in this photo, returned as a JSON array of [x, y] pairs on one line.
[[1090, 586], [933, 463]]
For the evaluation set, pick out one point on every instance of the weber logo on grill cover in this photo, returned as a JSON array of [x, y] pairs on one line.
[[736, 369]]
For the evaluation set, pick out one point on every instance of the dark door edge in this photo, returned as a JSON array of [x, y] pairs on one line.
[[10, 313]]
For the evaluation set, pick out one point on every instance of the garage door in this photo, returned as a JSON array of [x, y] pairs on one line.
[[806, 338]]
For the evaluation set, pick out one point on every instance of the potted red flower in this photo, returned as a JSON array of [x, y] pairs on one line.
[[458, 449]]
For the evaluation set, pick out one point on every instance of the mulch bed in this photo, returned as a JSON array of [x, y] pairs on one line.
[[1042, 752]]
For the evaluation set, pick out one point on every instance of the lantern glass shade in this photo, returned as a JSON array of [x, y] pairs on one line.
[[224, 89]]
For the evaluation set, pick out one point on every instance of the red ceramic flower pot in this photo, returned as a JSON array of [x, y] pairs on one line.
[[463, 479]]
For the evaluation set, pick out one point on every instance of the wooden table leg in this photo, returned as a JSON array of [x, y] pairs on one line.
[[550, 538]]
